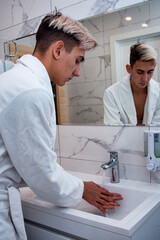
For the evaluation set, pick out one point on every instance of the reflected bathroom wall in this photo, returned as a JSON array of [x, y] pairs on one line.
[[85, 94]]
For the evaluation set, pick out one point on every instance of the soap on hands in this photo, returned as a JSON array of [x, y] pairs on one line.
[[100, 197]]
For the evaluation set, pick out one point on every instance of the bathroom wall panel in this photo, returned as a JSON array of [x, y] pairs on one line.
[[16, 12], [85, 148]]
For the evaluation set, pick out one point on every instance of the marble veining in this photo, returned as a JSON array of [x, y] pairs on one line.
[[107, 60], [29, 27], [89, 95], [82, 143], [83, 114], [17, 4], [94, 25], [124, 171], [89, 111], [101, 6], [86, 148]]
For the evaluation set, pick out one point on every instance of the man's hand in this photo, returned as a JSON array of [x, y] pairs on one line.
[[100, 197]]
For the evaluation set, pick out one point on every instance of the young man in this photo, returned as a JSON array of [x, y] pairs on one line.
[[28, 127], [136, 99]]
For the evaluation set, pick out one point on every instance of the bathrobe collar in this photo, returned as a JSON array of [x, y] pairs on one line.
[[36, 66], [126, 98], [151, 101]]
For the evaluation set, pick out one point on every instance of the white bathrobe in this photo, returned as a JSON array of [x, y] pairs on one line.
[[27, 136], [119, 107]]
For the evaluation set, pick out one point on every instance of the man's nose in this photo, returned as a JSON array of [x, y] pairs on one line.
[[145, 77], [76, 71]]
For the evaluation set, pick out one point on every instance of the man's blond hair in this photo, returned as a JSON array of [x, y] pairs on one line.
[[56, 27], [142, 52]]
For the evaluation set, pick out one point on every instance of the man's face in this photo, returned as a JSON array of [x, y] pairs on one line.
[[141, 73], [68, 66]]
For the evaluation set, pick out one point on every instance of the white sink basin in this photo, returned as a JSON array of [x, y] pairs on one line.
[[131, 199], [139, 209]]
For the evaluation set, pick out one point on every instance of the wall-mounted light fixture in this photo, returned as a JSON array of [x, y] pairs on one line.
[[128, 18]]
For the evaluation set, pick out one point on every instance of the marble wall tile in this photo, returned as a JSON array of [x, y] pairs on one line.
[[101, 6], [82, 13], [155, 177], [93, 143], [135, 173], [89, 93], [85, 114], [112, 20], [84, 149], [107, 34], [84, 166], [154, 9], [138, 13], [15, 12], [87, 142], [94, 25], [128, 172], [131, 149], [60, 4], [108, 76], [93, 7], [18, 31], [154, 22], [123, 3], [93, 70], [98, 50]]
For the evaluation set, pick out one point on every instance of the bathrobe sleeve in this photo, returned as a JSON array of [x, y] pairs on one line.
[[29, 134], [111, 110]]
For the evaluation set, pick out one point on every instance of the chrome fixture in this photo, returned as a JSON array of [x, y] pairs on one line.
[[113, 165]]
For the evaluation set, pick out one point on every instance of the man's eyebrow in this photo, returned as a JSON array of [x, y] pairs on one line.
[[139, 70], [152, 69]]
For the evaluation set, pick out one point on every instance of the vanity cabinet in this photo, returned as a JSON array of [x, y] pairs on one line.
[[35, 232]]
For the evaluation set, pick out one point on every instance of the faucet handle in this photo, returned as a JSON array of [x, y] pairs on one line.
[[113, 154]]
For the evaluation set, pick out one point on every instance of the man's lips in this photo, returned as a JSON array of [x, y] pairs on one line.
[[143, 83]]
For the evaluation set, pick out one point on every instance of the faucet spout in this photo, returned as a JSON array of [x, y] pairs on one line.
[[108, 165], [113, 165]]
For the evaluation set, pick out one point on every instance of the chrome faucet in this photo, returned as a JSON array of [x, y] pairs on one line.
[[113, 165]]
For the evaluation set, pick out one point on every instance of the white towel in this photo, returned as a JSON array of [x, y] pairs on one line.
[[1, 66], [8, 65], [5, 65]]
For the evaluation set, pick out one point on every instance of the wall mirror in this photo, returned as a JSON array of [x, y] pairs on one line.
[[80, 101]]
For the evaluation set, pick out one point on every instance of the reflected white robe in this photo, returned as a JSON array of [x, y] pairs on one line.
[[119, 107], [27, 136]]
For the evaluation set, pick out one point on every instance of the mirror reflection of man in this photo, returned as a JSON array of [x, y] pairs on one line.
[[136, 99]]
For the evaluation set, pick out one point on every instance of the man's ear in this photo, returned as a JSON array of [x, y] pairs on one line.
[[129, 68], [57, 49]]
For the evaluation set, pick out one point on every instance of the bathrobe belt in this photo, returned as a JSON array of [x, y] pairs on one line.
[[13, 202]]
